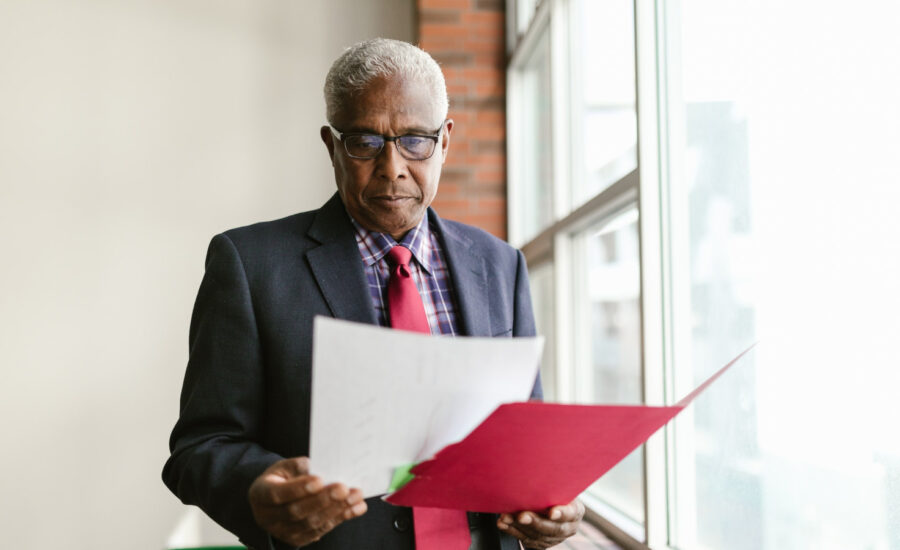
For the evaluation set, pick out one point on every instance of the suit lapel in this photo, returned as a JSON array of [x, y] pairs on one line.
[[469, 280], [337, 267]]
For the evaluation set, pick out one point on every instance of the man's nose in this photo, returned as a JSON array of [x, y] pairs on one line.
[[390, 163]]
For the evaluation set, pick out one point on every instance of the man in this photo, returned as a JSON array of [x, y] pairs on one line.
[[239, 449]]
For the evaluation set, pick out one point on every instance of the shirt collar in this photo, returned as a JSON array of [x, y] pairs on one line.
[[374, 245]]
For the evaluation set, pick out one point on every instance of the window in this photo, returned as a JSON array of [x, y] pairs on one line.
[[532, 115], [575, 209], [606, 298], [603, 114], [691, 177]]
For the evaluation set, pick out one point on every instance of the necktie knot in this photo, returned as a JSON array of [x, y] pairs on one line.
[[399, 255]]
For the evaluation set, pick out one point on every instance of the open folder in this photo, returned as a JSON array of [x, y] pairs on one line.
[[530, 456]]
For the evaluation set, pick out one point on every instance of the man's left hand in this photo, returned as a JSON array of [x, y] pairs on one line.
[[543, 531]]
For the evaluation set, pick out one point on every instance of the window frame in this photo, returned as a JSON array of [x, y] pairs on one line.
[[644, 188]]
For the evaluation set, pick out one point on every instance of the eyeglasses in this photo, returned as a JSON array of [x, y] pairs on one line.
[[368, 146]]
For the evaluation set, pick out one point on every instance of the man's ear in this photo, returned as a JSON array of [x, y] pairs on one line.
[[328, 140], [445, 139]]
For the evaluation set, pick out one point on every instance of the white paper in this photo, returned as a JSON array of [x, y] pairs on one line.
[[382, 398]]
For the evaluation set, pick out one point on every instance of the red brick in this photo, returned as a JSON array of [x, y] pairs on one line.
[[490, 176], [448, 189], [487, 160], [480, 17], [489, 5], [497, 188], [491, 117], [487, 132], [493, 89], [439, 44], [491, 204], [429, 15], [455, 204], [456, 174], [495, 58], [467, 39], [458, 148], [442, 30], [442, 4], [461, 118], [456, 59], [482, 74], [483, 42]]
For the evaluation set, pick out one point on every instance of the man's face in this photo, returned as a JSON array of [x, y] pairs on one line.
[[388, 193]]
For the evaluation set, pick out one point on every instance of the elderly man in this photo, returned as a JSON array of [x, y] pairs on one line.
[[240, 446]]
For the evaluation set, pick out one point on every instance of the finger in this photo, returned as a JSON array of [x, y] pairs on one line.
[[280, 491], [292, 467], [535, 525], [312, 520], [573, 511], [327, 501], [356, 495], [288, 468], [530, 540], [356, 510]]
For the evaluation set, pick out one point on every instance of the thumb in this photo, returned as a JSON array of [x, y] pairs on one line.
[[289, 468]]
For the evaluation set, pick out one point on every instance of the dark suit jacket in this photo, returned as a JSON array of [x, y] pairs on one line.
[[246, 398]]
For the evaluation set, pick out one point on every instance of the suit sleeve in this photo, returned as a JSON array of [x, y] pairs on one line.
[[523, 315], [215, 449]]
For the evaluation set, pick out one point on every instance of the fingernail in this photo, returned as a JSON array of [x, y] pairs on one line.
[[311, 487], [502, 526], [359, 508], [525, 519], [555, 514], [506, 519], [336, 493]]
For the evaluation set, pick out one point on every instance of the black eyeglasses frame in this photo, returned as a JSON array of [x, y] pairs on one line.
[[341, 135]]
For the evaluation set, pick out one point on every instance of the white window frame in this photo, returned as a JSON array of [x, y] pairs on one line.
[[646, 187]]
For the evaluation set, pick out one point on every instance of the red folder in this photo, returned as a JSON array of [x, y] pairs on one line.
[[531, 456]]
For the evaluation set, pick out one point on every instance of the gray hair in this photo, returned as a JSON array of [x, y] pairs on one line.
[[381, 57]]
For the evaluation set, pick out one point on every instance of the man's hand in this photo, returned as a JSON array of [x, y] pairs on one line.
[[298, 508], [539, 531]]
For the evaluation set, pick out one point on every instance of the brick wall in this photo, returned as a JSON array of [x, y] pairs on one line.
[[467, 38]]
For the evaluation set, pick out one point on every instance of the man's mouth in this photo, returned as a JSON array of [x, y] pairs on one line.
[[392, 199]]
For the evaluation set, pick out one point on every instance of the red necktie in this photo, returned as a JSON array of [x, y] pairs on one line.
[[404, 303], [435, 528]]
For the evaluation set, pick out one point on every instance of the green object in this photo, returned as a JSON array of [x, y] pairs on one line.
[[402, 476]]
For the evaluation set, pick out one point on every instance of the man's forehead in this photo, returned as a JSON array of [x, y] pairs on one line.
[[403, 103]]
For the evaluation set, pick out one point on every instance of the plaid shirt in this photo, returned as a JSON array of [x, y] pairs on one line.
[[429, 271]]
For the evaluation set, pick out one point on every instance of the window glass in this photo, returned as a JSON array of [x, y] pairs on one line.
[[541, 280], [608, 327], [524, 14], [604, 121], [534, 209], [785, 231]]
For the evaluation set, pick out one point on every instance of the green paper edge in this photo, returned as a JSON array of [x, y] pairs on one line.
[[402, 476]]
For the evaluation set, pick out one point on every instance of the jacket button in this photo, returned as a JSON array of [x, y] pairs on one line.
[[401, 524]]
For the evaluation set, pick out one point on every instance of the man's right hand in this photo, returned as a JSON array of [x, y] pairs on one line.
[[297, 507]]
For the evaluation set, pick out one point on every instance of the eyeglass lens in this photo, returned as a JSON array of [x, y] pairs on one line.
[[368, 146]]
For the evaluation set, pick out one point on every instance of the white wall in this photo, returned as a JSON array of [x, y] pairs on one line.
[[130, 133]]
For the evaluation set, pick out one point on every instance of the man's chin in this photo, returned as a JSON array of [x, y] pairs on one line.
[[393, 219]]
